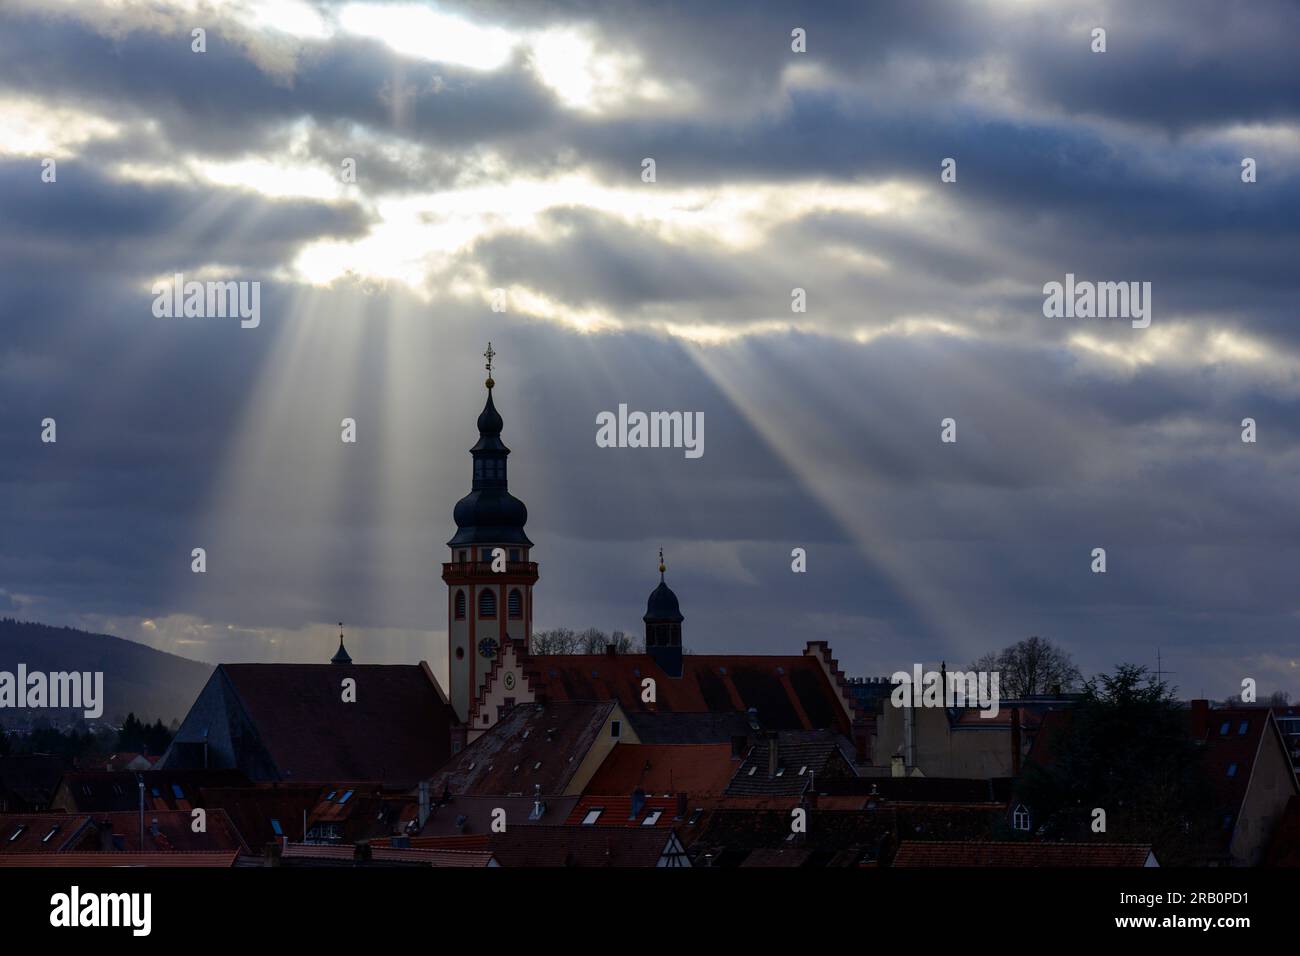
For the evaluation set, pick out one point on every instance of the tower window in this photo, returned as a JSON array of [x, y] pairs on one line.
[[515, 604], [487, 604], [514, 554], [460, 605]]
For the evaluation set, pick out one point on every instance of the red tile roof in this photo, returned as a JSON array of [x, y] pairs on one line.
[[560, 845], [664, 768], [617, 812], [397, 730], [96, 791], [28, 781], [468, 841], [415, 856], [802, 758], [1234, 738], [473, 814], [912, 853], [164, 830], [226, 859], [39, 832], [533, 745], [252, 809], [789, 692]]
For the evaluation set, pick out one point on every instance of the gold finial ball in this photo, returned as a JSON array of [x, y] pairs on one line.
[[662, 568], [489, 383]]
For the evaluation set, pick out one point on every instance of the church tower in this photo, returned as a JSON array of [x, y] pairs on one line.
[[489, 577], [663, 625]]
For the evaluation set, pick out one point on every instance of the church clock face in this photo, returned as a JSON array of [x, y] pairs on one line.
[[488, 647]]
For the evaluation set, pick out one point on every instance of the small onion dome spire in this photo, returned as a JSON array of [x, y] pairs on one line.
[[341, 655], [662, 606]]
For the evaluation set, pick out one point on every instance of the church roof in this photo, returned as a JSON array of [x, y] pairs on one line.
[[664, 768], [341, 656], [397, 730], [788, 692], [490, 514], [662, 606]]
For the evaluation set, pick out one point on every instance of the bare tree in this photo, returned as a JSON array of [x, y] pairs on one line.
[[593, 640], [1032, 666]]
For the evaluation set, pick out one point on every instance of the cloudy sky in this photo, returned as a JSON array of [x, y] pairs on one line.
[[501, 146]]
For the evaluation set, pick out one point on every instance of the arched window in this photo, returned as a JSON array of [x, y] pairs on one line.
[[460, 605], [515, 604], [487, 604], [1020, 819]]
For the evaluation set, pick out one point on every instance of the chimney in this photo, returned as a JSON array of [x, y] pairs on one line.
[[1200, 718], [739, 744], [106, 835], [424, 803], [611, 650], [271, 854], [681, 806], [773, 755], [153, 829], [638, 803], [1015, 741], [896, 766]]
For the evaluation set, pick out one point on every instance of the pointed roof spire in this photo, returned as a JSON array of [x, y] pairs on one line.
[[662, 605], [341, 655]]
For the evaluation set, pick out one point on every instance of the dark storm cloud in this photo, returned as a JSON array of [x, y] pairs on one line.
[[223, 102], [1115, 166]]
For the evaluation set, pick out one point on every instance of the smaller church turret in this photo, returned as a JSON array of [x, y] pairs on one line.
[[663, 625], [341, 655]]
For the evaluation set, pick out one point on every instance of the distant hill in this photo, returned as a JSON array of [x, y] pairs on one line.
[[151, 683]]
